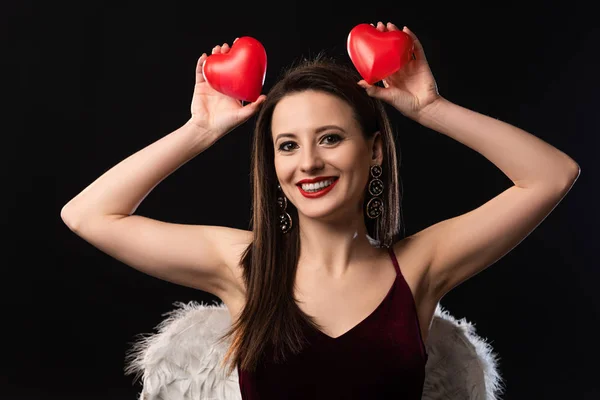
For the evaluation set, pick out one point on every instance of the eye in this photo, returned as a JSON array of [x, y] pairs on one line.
[[331, 139], [285, 146]]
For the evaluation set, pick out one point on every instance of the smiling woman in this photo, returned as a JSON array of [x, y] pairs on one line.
[[318, 138], [328, 144], [326, 299]]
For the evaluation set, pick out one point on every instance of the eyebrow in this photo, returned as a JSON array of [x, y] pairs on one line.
[[317, 131]]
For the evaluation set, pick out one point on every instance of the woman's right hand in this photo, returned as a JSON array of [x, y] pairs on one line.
[[213, 111]]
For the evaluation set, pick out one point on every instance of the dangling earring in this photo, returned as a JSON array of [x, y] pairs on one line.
[[285, 221], [375, 206]]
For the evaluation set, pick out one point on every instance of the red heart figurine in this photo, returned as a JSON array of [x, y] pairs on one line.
[[376, 55], [239, 73]]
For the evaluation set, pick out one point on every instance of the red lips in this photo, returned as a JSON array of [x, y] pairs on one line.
[[319, 193], [314, 180]]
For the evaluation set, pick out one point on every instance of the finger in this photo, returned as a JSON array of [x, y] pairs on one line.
[[261, 99], [224, 48], [374, 91], [410, 33], [199, 65], [250, 108], [367, 86], [216, 50], [419, 53], [391, 27], [380, 26]]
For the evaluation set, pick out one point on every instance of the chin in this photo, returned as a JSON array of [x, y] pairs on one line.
[[321, 214], [325, 212], [333, 206]]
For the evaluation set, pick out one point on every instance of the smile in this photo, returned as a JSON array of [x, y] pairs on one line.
[[318, 189]]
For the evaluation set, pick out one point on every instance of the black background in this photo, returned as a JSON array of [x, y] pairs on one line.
[[87, 85]]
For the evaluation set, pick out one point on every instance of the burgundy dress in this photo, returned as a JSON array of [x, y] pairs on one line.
[[383, 357]]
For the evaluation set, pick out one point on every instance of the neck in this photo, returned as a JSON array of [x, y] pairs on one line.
[[330, 249]]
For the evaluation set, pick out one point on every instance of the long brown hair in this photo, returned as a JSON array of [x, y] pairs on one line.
[[271, 317]]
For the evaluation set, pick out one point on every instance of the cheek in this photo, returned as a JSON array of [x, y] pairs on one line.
[[283, 169], [362, 178], [358, 163]]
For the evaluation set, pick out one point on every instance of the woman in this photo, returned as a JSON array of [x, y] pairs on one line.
[[327, 301]]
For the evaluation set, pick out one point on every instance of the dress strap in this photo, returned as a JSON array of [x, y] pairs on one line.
[[394, 260]]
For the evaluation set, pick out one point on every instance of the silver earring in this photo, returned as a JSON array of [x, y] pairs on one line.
[[285, 221], [375, 205]]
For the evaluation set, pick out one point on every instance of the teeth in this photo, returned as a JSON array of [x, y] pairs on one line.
[[314, 187]]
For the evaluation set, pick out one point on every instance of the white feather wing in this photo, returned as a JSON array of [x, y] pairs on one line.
[[182, 360]]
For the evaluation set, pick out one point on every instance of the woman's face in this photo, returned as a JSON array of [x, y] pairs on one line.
[[322, 158]]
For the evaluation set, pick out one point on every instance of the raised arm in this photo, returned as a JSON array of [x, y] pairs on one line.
[[202, 257]]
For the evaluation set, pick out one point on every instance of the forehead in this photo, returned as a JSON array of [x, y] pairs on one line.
[[310, 109]]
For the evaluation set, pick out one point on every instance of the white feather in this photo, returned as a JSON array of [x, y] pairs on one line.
[[461, 364], [181, 361]]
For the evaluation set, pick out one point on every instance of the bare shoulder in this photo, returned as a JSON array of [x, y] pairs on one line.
[[415, 254]]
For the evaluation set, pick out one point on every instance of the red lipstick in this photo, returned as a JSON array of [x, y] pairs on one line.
[[315, 180], [318, 193]]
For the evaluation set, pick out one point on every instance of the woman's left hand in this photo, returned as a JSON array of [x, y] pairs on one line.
[[411, 89]]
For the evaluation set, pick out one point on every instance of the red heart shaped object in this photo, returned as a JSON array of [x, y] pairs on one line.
[[240, 73], [376, 55]]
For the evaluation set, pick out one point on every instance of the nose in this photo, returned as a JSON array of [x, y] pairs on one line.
[[311, 160]]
